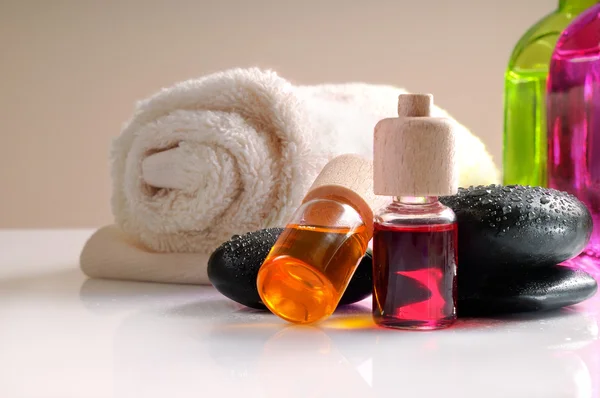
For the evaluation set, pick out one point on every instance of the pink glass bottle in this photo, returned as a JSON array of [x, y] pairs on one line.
[[415, 237], [414, 249], [573, 116]]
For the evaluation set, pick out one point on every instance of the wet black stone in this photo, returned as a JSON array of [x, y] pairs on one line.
[[503, 227], [233, 269], [361, 284], [510, 240], [529, 289]]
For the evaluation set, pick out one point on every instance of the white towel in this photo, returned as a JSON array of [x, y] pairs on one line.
[[229, 153]]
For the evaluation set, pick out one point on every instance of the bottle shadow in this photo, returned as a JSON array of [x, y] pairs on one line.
[[349, 351], [246, 351]]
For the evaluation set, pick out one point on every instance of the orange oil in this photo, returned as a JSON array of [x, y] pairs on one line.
[[308, 269]]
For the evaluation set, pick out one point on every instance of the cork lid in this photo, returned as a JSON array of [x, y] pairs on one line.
[[348, 178], [414, 154]]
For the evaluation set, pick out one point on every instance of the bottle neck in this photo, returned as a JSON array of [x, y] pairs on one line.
[[575, 5], [416, 200]]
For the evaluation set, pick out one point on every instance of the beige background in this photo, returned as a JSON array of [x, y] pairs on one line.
[[71, 71]]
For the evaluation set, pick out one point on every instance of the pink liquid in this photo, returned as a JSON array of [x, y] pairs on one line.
[[414, 275], [573, 104]]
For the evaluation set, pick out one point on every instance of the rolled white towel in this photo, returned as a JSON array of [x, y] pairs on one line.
[[207, 158], [234, 152]]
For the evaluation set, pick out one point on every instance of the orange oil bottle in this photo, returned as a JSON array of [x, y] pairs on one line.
[[308, 269]]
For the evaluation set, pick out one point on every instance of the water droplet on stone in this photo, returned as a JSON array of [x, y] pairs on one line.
[[477, 192], [544, 200]]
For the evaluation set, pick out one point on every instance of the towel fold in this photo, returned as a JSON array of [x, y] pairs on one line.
[[112, 254], [230, 153]]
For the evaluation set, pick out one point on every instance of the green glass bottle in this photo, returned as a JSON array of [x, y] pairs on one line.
[[525, 143]]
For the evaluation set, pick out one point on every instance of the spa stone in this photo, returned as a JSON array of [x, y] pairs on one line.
[[512, 226], [529, 289], [483, 290], [233, 268]]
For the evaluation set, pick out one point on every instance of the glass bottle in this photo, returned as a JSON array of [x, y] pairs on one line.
[[414, 246], [574, 116], [415, 237], [525, 144], [310, 266]]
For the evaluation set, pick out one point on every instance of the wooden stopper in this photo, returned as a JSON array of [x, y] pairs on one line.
[[414, 105], [349, 179], [414, 154]]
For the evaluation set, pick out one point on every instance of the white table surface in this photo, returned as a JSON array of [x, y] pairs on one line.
[[63, 335]]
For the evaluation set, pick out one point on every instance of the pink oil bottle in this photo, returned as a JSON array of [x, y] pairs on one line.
[[573, 116], [415, 237]]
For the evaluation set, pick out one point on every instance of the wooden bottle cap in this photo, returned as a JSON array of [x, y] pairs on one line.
[[414, 154], [348, 178]]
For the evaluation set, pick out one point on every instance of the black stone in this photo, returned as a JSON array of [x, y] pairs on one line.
[[233, 269], [510, 239], [361, 284], [529, 289], [503, 227]]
